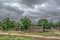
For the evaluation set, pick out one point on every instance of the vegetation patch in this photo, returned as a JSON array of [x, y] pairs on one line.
[[17, 38]]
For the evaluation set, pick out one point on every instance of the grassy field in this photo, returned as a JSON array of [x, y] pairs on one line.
[[18, 38], [45, 34], [35, 33]]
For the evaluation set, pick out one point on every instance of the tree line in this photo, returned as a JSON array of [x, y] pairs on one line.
[[25, 23]]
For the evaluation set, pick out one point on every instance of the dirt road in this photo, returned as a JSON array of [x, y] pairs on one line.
[[28, 35]]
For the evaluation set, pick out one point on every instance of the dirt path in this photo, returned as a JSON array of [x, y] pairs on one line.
[[28, 35]]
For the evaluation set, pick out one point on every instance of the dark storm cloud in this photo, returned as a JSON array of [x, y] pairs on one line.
[[31, 3], [34, 9], [8, 11]]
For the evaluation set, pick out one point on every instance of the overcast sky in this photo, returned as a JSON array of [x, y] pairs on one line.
[[34, 9]]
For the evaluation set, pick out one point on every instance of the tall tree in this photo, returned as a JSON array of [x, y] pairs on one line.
[[24, 23], [44, 23], [7, 24]]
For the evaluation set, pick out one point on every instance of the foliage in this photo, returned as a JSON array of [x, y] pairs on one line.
[[24, 23], [45, 24], [7, 24], [41, 22]]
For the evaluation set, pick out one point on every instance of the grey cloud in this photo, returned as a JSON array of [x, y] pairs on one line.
[[34, 9], [30, 3], [57, 2]]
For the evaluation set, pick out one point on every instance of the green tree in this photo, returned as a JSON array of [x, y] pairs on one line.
[[45, 24], [24, 23], [7, 24]]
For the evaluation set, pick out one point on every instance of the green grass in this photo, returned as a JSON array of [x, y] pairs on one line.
[[45, 34], [37, 33], [18, 38]]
